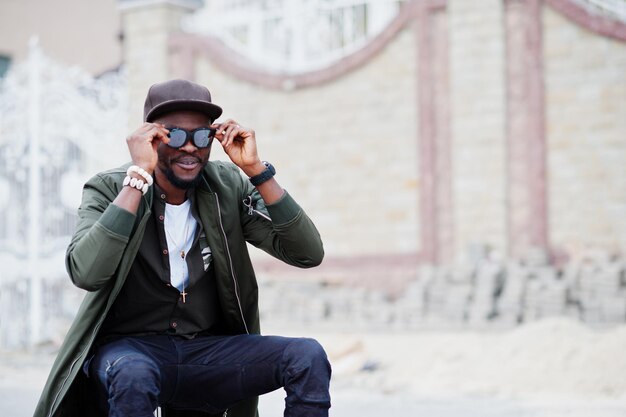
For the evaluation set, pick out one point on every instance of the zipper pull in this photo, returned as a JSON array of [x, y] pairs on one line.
[[248, 203]]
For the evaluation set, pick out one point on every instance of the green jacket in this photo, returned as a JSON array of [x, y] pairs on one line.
[[107, 239]]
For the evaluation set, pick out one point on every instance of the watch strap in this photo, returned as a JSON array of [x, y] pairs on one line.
[[269, 172]]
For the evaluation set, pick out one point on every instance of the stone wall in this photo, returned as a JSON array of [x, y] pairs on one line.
[[348, 146], [346, 149], [585, 77], [477, 123]]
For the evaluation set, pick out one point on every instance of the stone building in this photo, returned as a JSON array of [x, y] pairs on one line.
[[458, 126], [486, 137], [439, 129]]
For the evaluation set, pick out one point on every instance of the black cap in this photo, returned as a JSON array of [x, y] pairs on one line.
[[175, 95]]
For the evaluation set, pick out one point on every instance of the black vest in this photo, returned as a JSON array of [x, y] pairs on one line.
[[149, 304]]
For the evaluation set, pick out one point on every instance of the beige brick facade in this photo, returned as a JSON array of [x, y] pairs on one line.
[[477, 122], [346, 149], [348, 145], [585, 77]]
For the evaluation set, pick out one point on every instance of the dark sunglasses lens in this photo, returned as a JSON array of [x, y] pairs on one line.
[[178, 138], [202, 138]]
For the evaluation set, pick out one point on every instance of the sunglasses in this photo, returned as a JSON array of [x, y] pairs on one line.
[[202, 137]]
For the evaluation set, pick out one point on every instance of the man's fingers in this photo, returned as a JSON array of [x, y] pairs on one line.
[[151, 130], [219, 131], [157, 133], [227, 132], [162, 132], [162, 136], [231, 133]]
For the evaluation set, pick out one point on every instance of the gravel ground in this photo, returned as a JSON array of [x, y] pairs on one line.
[[439, 374], [20, 402]]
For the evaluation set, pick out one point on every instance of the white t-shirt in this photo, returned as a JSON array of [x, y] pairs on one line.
[[180, 227]]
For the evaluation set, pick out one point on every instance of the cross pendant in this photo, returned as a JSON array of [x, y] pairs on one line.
[[184, 294]]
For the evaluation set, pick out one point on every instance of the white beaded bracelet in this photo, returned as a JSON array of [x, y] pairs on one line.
[[140, 171], [136, 183]]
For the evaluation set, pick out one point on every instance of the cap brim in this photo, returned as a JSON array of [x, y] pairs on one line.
[[210, 109]]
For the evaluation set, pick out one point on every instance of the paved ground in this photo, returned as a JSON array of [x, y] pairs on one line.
[[353, 403], [22, 376], [19, 401]]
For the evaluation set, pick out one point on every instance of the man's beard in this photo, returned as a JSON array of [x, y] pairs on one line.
[[182, 184]]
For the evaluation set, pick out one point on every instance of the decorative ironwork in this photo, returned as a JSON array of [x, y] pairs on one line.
[[56, 124]]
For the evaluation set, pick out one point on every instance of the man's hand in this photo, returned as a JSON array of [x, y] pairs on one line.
[[143, 143], [239, 143]]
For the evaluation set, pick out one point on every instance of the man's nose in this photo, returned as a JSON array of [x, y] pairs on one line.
[[189, 146]]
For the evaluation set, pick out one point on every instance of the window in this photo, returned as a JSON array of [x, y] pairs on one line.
[[5, 62]]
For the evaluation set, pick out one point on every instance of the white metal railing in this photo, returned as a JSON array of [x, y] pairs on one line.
[[291, 36], [56, 126]]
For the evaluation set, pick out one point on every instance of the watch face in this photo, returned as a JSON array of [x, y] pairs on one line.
[[270, 167], [294, 36]]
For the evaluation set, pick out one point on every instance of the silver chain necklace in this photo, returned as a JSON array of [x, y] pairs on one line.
[[181, 250]]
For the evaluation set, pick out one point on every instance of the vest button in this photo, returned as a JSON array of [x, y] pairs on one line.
[[164, 251], [174, 324], [161, 217]]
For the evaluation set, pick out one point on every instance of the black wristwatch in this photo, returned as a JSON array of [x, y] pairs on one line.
[[263, 176]]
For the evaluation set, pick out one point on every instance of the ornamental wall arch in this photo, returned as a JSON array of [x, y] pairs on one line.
[[188, 45]]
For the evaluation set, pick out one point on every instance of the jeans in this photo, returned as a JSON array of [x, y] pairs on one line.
[[134, 375]]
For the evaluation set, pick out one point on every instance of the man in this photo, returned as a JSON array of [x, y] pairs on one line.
[[171, 319]]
